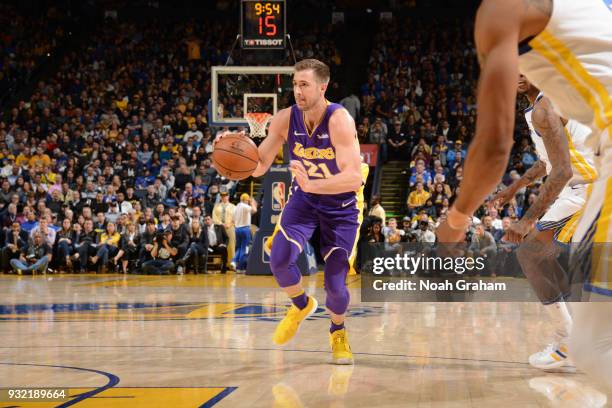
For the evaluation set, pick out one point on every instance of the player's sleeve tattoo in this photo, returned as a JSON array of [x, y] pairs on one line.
[[550, 127], [535, 172]]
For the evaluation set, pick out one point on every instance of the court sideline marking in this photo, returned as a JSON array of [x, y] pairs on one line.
[[276, 349], [112, 381]]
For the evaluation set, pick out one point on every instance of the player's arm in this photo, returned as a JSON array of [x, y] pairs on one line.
[[549, 125], [535, 172], [497, 37], [342, 134], [269, 148]]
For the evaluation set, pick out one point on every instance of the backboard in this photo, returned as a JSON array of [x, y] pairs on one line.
[[236, 90]]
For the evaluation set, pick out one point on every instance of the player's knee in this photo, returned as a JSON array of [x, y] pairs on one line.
[[282, 259], [281, 254], [337, 262], [338, 296], [336, 268]]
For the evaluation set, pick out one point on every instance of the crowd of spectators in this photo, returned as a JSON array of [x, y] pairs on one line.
[[106, 165], [115, 146]]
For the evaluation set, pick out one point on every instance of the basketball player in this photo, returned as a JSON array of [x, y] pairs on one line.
[[326, 166], [568, 167], [565, 50]]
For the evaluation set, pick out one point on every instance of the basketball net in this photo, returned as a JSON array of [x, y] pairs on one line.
[[257, 123]]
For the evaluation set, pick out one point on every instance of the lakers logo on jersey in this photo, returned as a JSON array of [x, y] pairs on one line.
[[313, 153]]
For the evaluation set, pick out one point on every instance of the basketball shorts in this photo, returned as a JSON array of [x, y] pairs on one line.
[[591, 249], [564, 214], [337, 217]]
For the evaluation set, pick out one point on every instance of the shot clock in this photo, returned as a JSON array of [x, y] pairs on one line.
[[263, 24]]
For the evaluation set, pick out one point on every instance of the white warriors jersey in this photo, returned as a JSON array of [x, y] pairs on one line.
[[571, 62], [581, 157]]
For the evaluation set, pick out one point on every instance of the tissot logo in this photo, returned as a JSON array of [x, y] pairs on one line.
[[267, 42]]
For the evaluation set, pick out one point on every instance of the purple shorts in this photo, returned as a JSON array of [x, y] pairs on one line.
[[336, 215]]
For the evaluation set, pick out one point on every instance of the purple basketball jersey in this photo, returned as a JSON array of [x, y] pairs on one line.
[[314, 150]]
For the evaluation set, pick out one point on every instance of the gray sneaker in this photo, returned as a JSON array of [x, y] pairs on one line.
[[180, 270]]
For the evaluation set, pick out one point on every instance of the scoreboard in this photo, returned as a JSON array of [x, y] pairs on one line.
[[263, 24]]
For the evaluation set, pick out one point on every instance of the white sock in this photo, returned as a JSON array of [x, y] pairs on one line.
[[561, 318]]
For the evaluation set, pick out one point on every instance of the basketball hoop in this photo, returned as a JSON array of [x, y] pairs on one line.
[[257, 123]]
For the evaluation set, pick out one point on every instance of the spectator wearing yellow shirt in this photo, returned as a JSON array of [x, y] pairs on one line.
[[23, 159], [40, 158], [113, 132], [419, 217], [223, 214], [193, 49], [122, 103], [49, 176], [107, 246], [417, 198]]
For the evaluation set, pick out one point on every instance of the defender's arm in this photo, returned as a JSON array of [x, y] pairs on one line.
[[497, 37]]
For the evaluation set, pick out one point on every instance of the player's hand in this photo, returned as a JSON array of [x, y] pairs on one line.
[[221, 135], [300, 174], [502, 197], [517, 232]]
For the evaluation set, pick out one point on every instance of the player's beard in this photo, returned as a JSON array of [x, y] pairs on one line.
[[309, 104], [304, 105]]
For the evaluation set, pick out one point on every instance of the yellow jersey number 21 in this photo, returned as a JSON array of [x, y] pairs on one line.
[[317, 170]]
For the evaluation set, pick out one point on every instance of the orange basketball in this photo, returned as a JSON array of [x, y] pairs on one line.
[[235, 156]]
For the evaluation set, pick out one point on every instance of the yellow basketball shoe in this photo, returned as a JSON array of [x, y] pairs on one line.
[[287, 327], [341, 350]]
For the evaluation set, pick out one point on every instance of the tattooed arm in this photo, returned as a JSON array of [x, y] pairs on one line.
[[535, 172], [550, 126]]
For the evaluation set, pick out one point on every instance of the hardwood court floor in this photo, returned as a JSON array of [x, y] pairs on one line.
[[199, 341]]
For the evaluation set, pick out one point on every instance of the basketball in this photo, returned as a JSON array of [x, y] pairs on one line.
[[235, 156]]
